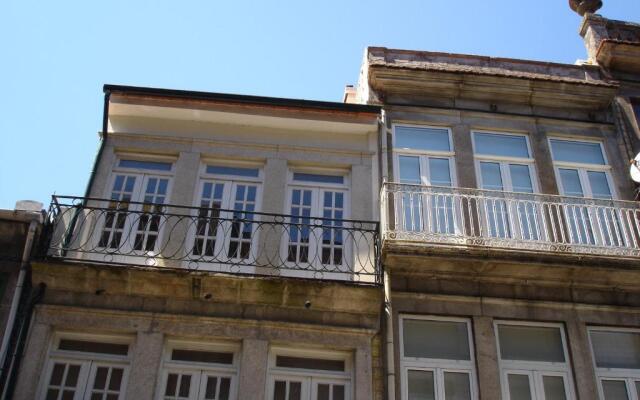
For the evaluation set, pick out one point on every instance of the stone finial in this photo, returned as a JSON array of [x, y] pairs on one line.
[[583, 7]]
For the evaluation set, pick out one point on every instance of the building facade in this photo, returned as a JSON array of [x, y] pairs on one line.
[[459, 228]]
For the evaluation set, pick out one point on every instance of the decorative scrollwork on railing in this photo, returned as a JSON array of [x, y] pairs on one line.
[[213, 239], [520, 221]]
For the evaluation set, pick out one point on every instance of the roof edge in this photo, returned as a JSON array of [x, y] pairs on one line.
[[242, 99]]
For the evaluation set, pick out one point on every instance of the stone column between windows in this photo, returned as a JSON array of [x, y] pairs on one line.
[[363, 376], [543, 161], [145, 365], [253, 369], [32, 368], [465, 167], [176, 229], [581, 363], [274, 192], [486, 358]]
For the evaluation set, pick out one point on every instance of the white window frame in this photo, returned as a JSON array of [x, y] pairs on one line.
[[89, 361], [197, 368], [137, 196], [424, 155], [310, 377], [229, 181], [629, 376], [582, 168], [437, 366], [316, 212], [535, 369], [504, 161]]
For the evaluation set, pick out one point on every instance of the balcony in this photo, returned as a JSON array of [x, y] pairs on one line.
[[460, 218], [149, 235]]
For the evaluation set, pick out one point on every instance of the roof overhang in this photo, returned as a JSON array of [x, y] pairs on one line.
[[229, 109], [443, 76], [619, 55]]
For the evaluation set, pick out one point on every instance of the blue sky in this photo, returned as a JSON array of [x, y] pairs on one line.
[[56, 55]]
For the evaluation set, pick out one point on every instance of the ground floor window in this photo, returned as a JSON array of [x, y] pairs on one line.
[[198, 371], [616, 354], [309, 375], [534, 362], [82, 366], [436, 358]]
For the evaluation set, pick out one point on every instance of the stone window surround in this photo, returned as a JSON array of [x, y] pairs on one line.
[[151, 331], [626, 375], [453, 366], [88, 360], [311, 376]]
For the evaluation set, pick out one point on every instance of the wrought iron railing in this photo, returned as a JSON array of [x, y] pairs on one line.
[[520, 221], [213, 239]]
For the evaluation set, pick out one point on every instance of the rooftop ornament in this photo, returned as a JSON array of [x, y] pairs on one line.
[[583, 7]]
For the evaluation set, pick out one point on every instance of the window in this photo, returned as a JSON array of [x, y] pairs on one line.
[[229, 196], [616, 354], [424, 156], [86, 367], [318, 204], [436, 359], [635, 103], [309, 375], [198, 371], [582, 171], [504, 163], [133, 221], [533, 361]]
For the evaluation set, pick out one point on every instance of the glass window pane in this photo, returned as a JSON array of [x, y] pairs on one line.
[[149, 165], [530, 343], [554, 388], [436, 339], [501, 145], [439, 172], [491, 178], [637, 385], [571, 182], [521, 178], [338, 392], [616, 349], [309, 363], [409, 169], [299, 176], [237, 171], [599, 185], [422, 138], [420, 385], [456, 386], [519, 388], [280, 390], [202, 356], [94, 347], [323, 392], [578, 152], [614, 390]]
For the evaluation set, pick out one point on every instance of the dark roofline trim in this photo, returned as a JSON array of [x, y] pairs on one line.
[[242, 99]]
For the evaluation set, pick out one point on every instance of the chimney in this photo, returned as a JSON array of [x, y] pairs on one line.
[[349, 94]]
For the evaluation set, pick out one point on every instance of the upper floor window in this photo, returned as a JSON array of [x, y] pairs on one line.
[[229, 194], [318, 201], [83, 366], [534, 362], [504, 162], [437, 359], [138, 190], [423, 155], [581, 168], [309, 375], [616, 353], [199, 371]]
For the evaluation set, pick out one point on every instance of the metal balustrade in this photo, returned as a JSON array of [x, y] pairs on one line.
[[518, 221], [212, 239]]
